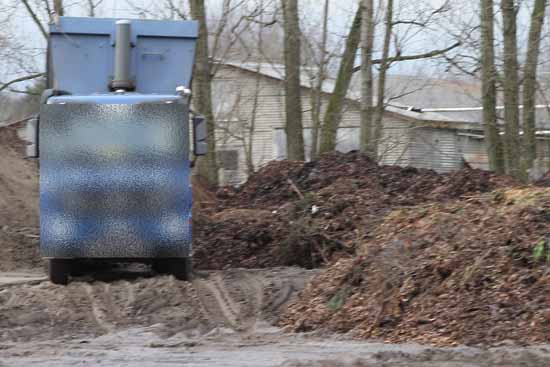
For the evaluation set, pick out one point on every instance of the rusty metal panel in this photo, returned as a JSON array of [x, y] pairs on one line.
[[114, 181]]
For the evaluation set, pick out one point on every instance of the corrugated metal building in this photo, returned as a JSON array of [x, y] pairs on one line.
[[249, 108]]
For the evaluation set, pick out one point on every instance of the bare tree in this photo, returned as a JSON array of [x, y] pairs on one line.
[[384, 65], [335, 106], [367, 37], [334, 109], [511, 87], [58, 7], [33, 12], [207, 166], [488, 86], [248, 142], [293, 102], [530, 82], [318, 90]]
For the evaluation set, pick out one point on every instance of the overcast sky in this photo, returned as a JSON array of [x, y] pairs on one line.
[[18, 24], [341, 13]]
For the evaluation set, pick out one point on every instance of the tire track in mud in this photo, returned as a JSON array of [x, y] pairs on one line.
[[217, 306], [239, 299], [97, 309], [232, 298]]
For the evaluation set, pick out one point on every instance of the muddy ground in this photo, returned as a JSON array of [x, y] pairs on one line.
[[222, 318], [18, 205], [234, 299]]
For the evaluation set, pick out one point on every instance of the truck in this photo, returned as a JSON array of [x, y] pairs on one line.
[[116, 139]]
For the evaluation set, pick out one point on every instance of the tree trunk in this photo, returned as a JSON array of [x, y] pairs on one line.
[[333, 115], [317, 95], [249, 145], [58, 7], [511, 88], [207, 167], [529, 83], [488, 86], [367, 37], [381, 91], [293, 102]]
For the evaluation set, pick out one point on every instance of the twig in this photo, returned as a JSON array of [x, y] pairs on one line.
[[295, 188], [35, 18], [426, 55], [6, 124], [20, 79]]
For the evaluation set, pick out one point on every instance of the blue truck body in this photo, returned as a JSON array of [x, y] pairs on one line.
[[82, 55], [115, 164]]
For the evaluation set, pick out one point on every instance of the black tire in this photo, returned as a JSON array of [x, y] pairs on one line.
[[180, 268], [59, 270]]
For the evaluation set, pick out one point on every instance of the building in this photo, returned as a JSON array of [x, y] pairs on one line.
[[248, 103], [460, 100]]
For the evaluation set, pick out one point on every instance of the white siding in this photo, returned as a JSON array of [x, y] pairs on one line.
[[473, 150], [235, 91], [395, 143], [435, 149]]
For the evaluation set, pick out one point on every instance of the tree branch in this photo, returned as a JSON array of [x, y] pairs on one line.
[[453, 63], [426, 55], [48, 9], [20, 79], [18, 91], [9, 123], [177, 10], [409, 22], [35, 19]]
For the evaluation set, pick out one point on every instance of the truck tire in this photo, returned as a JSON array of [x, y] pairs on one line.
[[180, 268], [59, 270]]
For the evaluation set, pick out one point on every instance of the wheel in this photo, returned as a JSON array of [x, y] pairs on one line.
[[180, 268], [59, 270]]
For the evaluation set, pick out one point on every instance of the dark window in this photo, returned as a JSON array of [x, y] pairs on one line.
[[229, 159]]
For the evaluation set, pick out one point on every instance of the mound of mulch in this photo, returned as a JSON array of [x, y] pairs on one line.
[[309, 214], [543, 181], [273, 184], [18, 204], [474, 271], [256, 238]]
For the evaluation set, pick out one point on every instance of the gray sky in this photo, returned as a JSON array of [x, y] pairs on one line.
[[341, 13]]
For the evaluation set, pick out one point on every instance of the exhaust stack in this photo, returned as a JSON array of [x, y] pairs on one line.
[[121, 80]]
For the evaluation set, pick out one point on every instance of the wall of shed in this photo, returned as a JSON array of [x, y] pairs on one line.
[[435, 149], [473, 150], [241, 97]]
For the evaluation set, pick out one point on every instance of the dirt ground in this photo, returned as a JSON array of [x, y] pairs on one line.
[[222, 318], [87, 307], [18, 205], [142, 348]]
